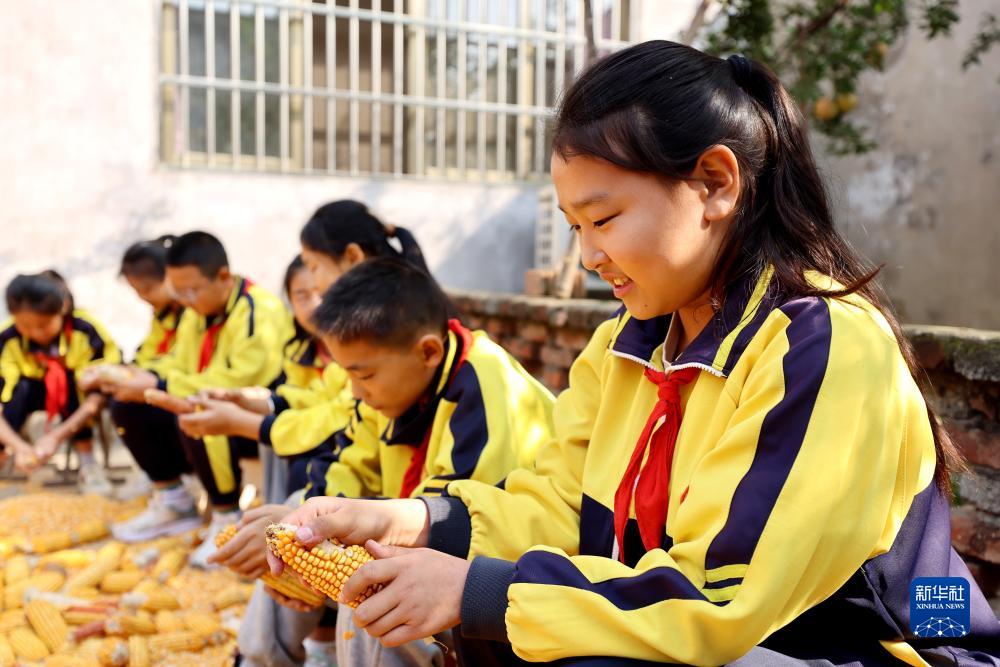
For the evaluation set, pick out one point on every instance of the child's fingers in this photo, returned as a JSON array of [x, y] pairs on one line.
[[375, 608], [386, 623], [400, 635], [383, 551], [371, 573], [275, 564]]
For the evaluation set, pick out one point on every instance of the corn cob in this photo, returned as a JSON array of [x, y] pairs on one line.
[[16, 570], [138, 652], [121, 581], [207, 627], [74, 660], [68, 558], [326, 567], [131, 625], [107, 560], [169, 565], [154, 600], [7, 658], [49, 542], [176, 641], [48, 582], [13, 618], [27, 645], [229, 597], [47, 623], [287, 583], [89, 630], [77, 617], [167, 622], [90, 531], [113, 653]]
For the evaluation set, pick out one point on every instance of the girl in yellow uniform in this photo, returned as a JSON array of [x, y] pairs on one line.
[[744, 467]]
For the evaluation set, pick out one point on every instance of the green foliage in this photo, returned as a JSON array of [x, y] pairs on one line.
[[821, 48]]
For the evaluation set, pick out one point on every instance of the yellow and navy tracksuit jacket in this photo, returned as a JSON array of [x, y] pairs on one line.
[[801, 500], [161, 337], [311, 405], [82, 343], [248, 341], [485, 416], [240, 348]]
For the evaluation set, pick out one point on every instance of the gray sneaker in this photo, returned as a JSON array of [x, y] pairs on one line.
[[160, 519]]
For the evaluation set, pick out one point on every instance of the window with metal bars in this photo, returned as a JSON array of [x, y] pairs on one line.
[[443, 89]]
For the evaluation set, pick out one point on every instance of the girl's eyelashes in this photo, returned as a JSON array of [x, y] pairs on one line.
[[604, 221]]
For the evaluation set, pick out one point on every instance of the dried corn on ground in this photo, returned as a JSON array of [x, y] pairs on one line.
[[90, 602]]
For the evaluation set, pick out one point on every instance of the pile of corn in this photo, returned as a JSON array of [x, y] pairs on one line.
[[108, 604]]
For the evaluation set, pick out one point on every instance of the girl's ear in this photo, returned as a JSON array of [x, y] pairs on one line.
[[353, 255], [719, 170], [431, 350]]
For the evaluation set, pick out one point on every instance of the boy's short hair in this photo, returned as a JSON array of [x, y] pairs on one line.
[[199, 249], [385, 300], [45, 293]]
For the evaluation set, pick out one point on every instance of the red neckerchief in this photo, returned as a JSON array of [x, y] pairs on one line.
[[168, 336], [56, 378], [212, 333], [415, 471], [652, 491]]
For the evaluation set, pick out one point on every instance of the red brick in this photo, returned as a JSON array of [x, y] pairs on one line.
[[536, 333], [573, 339], [979, 446], [555, 379], [496, 327], [975, 534], [558, 357], [930, 353], [524, 351]]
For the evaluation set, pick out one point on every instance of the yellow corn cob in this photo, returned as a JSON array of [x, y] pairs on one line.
[[49, 542], [11, 619], [16, 570], [176, 641], [75, 617], [326, 567], [229, 597], [48, 581], [27, 645], [167, 622], [107, 560], [154, 600], [170, 564], [74, 660], [121, 581], [69, 558], [7, 658], [90, 531], [113, 653], [47, 623], [138, 652], [203, 624], [287, 584], [131, 625], [87, 593]]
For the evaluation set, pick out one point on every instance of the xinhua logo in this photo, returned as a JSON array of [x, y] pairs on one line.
[[939, 607]]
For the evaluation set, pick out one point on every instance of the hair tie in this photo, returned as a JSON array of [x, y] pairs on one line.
[[390, 230], [742, 68]]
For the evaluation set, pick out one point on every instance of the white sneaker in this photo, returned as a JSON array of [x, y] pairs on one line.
[[169, 513], [199, 557], [136, 485], [91, 480]]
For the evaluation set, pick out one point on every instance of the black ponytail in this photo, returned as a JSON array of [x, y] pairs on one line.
[[336, 225], [147, 259], [657, 106]]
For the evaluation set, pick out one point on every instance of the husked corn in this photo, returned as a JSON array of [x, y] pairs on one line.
[[153, 600], [16, 570], [131, 625], [121, 581], [169, 565], [326, 567], [176, 641], [229, 597], [113, 653], [12, 618], [27, 645], [138, 652], [167, 622], [287, 583], [47, 623], [7, 658]]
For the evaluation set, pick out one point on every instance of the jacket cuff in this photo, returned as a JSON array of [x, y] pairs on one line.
[[450, 525], [279, 402], [161, 384], [264, 434], [484, 600]]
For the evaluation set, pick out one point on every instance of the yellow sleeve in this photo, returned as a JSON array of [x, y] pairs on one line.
[[10, 369], [354, 468], [91, 345], [542, 506], [810, 479], [296, 431]]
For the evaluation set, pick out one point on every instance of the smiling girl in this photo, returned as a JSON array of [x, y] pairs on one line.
[[745, 467]]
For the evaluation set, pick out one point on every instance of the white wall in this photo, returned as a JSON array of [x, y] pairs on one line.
[[80, 180]]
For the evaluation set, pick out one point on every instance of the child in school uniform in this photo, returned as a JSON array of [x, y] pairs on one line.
[[437, 402], [231, 335], [43, 348], [144, 267], [745, 469]]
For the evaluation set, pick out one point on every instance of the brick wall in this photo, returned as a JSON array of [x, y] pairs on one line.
[[963, 365]]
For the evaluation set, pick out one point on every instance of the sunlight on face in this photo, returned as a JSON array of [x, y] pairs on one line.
[[304, 298], [647, 238], [207, 296]]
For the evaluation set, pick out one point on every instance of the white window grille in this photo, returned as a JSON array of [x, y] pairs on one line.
[[446, 89]]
